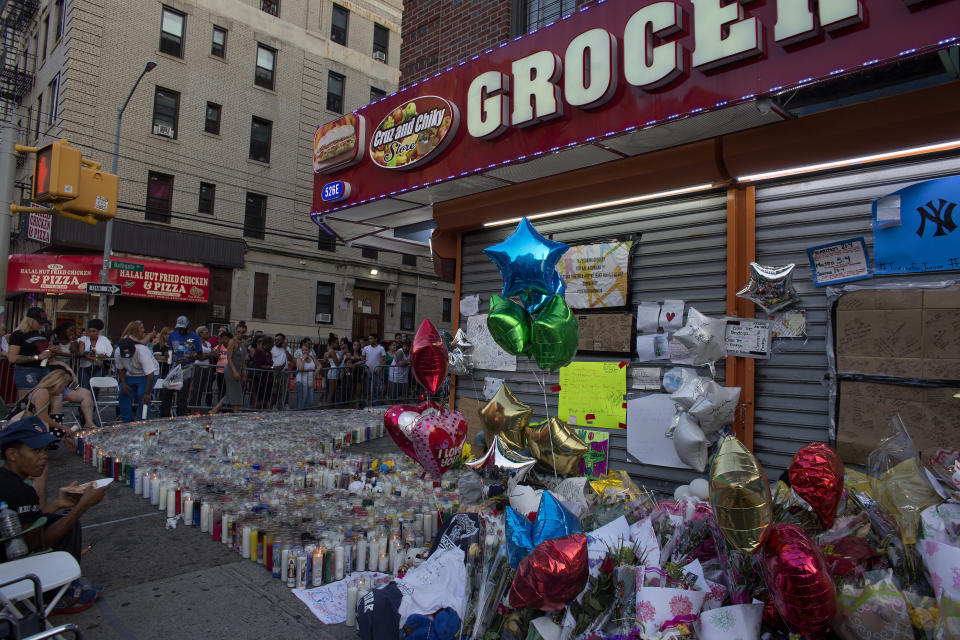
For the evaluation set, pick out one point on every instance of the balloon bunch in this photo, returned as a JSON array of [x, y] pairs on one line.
[[428, 433], [540, 325]]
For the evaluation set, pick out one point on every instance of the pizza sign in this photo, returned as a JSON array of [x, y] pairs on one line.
[[414, 133]]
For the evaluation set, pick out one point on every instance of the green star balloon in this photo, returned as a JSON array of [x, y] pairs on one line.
[[509, 324], [555, 335]]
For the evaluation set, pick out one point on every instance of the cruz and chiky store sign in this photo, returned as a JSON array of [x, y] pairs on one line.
[[611, 68]]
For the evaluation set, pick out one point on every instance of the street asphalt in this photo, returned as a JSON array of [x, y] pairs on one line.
[[178, 583]]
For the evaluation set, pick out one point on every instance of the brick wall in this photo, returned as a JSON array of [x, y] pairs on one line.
[[439, 33]]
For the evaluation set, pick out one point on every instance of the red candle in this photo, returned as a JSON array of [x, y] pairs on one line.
[[178, 505]]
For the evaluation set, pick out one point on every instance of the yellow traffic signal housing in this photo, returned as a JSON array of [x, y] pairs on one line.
[[97, 195], [56, 172]]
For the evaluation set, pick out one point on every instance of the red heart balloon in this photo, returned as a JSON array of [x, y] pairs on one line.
[[816, 474], [438, 439], [799, 580], [400, 420], [428, 357]]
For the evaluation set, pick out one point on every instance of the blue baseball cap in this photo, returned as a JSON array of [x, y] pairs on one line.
[[30, 431]]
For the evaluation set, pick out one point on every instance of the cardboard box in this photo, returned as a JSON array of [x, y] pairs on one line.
[[605, 332], [899, 333]]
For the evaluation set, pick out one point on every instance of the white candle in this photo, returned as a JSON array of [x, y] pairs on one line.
[[205, 517], [187, 509], [351, 606], [427, 527], [362, 555], [394, 561], [317, 569], [137, 482], [154, 489], [171, 501], [384, 563], [162, 504], [338, 563], [382, 549], [245, 548], [284, 560]]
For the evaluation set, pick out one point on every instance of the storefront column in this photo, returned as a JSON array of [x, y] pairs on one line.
[[741, 251], [456, 311]]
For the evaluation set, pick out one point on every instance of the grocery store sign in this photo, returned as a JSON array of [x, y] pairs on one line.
[[414, 132], [615, 67]]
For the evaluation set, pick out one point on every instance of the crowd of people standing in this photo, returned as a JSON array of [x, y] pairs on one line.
[[203, 372]]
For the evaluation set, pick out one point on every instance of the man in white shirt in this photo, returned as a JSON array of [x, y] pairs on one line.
[[281, 356], [136, 368], [96, 348], [376, 357]]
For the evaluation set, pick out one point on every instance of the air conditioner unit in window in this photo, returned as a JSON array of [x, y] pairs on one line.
[[380, 55], [324, 317], [163, 130]]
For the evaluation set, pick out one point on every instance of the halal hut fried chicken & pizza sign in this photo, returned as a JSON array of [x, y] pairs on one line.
[[414, 132]]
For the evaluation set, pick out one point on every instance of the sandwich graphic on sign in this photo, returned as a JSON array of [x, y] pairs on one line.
[[338, 144]]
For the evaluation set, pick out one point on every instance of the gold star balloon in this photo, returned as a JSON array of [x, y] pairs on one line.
[[554, 441], [507, 417], [501, 461]]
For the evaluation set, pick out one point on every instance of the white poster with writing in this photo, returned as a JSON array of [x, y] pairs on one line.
[[487, 354], [597, 275]]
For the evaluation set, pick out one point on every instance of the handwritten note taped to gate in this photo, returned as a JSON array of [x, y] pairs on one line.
[[591, 395], [594, 463], [487, 354], [839, 262]]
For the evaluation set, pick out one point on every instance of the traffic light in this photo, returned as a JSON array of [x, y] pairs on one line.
[[97, 195], [56, 173]]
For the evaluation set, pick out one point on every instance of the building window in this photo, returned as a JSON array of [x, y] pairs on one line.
[[52, 92], [326, 241], [270, 6], [46, 38], [36, 131], [260, 282], [381, 40], [338, 26], [409, 259], [260, 132], [166, 112], [60, 18], [533, 14], [159, 197], [208, 193], [255, 216], [324, 303], [171, 32], [266, 59], [335, 92], [377, 94], [447, 315], [367, 252], [218, 45], [211, 123], [408, 311]]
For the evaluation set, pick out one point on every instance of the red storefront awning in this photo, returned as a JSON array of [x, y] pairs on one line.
[[59, 274]]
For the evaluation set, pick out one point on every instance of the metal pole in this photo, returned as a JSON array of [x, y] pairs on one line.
[[8, 168], [104, 312]]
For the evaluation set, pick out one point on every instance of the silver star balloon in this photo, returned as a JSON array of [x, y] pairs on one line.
[[771, 288], [460, 356], [500, 461], [703, 337]]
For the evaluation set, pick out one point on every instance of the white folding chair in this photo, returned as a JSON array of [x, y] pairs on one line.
[[106, 393], [56, 570]]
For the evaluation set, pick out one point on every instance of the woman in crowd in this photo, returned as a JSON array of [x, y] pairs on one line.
[[161, 350], [306, 369], [334, 359], [235, 370], [357, 363], [398, 371], [262, 374]]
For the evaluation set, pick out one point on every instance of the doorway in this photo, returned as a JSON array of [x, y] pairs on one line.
[[367, 313]]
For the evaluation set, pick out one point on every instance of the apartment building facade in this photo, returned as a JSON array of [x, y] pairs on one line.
[[215, 150]]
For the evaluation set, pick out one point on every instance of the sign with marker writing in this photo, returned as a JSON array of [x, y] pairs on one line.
[[748, 338], [839, 262]]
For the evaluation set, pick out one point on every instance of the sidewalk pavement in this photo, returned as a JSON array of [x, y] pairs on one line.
[[178, 583]]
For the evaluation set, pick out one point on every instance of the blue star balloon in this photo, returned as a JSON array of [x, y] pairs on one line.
[[553, 521], [534, 301], [527, 261]]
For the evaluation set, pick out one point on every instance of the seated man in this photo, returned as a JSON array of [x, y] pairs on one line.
[[23, 447]]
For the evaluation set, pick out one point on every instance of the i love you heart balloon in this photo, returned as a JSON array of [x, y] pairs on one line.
[[401, 418], [438, 439]]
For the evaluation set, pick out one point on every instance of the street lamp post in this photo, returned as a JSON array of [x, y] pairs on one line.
[[108, 233]]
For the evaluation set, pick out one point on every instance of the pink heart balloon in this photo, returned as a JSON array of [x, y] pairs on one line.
[[438, 439], [400, 420]]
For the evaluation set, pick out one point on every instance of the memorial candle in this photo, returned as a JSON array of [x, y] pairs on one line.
[[154, 489], [254, 534], [162, 503], [187, 509], [362, 555], [338, 563], [138, 481], [384, 563], [316, 568], [171, 501], [245, 548], [205, 517], [351, 606]]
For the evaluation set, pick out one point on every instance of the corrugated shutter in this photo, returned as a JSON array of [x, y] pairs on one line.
[[791, 392], [681, 254]]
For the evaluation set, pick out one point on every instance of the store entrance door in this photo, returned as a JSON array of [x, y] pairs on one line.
[[367, 314]]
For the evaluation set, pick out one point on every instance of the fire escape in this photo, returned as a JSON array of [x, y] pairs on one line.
[[15, 79]]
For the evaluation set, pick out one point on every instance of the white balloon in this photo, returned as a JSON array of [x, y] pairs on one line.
[[700, 488], [683, 491], [703, 337], [690, 443]]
